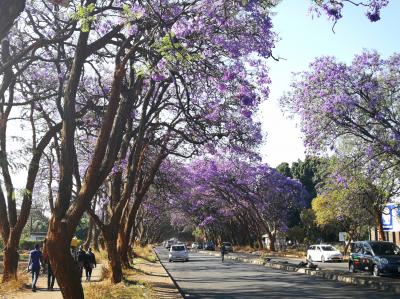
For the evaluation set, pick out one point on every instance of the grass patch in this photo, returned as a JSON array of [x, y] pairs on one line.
[[146, 253], [12, 286], [126, 289]]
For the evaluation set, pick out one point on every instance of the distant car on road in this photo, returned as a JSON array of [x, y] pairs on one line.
[[195, 245], [323, 253], [169, 243], [228, 246], [200, 246], [178, 252], [376, 257], [209, 246]]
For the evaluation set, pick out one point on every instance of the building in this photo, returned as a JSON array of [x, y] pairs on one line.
[[37, 236]]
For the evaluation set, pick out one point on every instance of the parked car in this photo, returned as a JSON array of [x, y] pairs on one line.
[[200, 246], [323, 253], [195, 245], [209, 246], [178, 252], [169, 243], [228, 246], [376, 257]]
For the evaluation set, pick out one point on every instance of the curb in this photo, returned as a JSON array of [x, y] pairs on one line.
[[169, 274], [370, 282]]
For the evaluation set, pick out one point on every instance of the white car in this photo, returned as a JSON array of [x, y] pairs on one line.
[[178, 252], [323, 253]]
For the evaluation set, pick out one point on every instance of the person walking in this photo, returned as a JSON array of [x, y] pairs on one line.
[[50, 275], [35, 259], [81, 259], [223, 251], [90, 264]]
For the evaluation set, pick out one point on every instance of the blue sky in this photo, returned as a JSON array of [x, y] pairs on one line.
[[304, 38]]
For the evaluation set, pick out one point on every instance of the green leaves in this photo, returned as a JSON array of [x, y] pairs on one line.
[[84, 16], [174, 51]]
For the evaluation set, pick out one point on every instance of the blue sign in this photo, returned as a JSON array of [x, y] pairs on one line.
[[387, 218], [391, 218]]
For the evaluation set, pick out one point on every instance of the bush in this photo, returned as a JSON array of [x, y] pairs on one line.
[[28, 244]]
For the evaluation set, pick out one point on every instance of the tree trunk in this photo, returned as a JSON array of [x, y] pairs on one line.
[[379, 226], [125, 231], [62, 263], [260, 243], [10, 10], [89, 237], [96, 234], [114, 259], [11, 258], [272, 240]]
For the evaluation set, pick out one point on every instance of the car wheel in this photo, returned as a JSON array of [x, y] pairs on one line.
[[323, 259], [352, 269], [376, 271]]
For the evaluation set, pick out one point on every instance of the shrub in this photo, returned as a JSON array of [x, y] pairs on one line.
[[25, 244]]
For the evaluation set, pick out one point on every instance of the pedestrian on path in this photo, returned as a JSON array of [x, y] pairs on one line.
[[35, 259], [90, 264], [50, 275], [81, 259], [223, 251]]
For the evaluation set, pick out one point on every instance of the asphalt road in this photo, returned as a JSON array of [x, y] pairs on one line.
[[340, 266], [206, 277]]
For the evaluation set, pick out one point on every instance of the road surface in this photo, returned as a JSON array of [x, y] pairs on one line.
[[205, 276], [340, 266]]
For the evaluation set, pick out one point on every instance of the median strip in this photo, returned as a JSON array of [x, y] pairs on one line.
[[348, 278]]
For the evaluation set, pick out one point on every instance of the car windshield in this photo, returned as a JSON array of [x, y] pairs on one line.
[[178, 248], [328, 248], [385, 248], [227, 244]]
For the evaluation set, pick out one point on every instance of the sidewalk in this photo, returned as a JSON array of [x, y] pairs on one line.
[[155, 275], [359, 279], [43, 293]]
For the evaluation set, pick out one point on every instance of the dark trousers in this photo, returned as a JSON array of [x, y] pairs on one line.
[[222, 256], [50, 278], [88, 272], [35, 276]]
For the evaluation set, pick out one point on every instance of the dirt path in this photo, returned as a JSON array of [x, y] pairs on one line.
[[43, 293]]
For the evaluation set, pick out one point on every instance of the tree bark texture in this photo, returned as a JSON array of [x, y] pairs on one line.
[[11, 257], [110, 235], [63, 264], [379, 226], [9, 11]]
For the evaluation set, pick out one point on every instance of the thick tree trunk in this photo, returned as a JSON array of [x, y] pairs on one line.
[[125, 231], [123, 251], [114, 259], [11, 258], [63, 265]]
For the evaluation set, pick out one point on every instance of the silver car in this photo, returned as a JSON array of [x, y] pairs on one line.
[[178, 252]]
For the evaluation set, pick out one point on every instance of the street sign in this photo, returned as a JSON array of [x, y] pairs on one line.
[[342, 236], [60, 2], [391, 218]]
